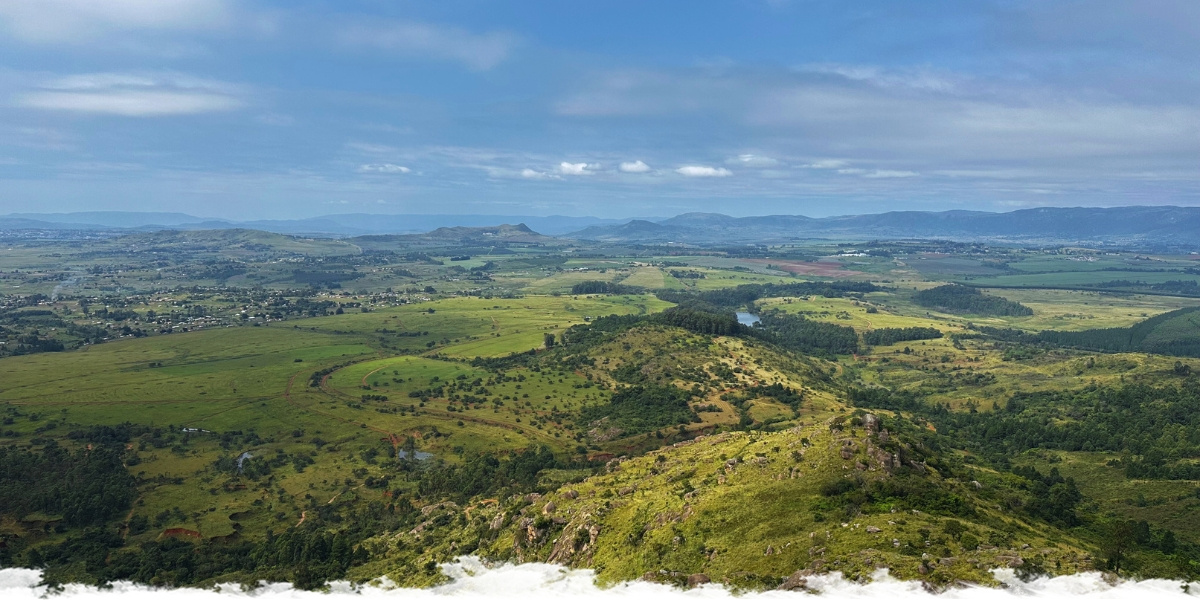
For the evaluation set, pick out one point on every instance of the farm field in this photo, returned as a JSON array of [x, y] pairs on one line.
[[1077, 278], [562, 282], [649, 277], [852, 313]]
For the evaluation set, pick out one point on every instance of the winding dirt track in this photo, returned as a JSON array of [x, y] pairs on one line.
[[287, 395], [364, 379]]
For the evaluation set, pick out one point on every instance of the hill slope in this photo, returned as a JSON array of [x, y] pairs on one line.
[[762, 511]]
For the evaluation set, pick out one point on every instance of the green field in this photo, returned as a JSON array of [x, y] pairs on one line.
[[1077, 278]]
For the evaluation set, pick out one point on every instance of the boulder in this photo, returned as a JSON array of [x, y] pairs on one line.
[[796, 581], [497, 522], [871, 422]]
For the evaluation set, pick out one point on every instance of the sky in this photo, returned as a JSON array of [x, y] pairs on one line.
[[249, 109]]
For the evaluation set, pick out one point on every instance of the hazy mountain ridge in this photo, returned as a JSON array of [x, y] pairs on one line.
[[1159, 224], [1153, 225], [328, 225], [502, 234]]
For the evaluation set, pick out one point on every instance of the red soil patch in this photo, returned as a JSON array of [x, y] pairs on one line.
[[820, 269]]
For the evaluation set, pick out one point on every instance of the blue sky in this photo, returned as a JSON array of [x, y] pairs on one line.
[[253, 109]]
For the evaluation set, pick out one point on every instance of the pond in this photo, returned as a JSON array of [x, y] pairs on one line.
[[403, 454], [746, 318]]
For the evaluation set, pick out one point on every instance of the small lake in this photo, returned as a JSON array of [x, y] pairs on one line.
[[403, 454], [746, 318]]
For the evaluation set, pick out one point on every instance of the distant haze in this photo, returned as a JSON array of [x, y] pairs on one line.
[[1133, 226]]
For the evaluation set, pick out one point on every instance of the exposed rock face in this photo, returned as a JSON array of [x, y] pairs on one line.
[[871, 423], [885, 459], [549, 508], [426, 511], [575, 545], [796, 581], [696, 579]]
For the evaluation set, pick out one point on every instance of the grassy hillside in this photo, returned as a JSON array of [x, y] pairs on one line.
[[752, 509]]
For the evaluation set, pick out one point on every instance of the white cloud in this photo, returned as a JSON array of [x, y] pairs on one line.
[[636, 166], [826, 164], [370, 148], [914, 79], [77, 21], [888, 174], [753, 161], [386, 168], [878, 173], [133, 95], [567, 168], [531, 174], [479, 51], [703, 171], [644, 92]]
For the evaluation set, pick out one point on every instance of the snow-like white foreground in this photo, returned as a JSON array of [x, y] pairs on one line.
[[473, 579]]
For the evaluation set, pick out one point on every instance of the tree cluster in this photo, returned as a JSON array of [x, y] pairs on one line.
[[963, 299]]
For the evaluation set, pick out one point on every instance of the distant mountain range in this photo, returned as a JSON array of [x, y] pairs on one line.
[[1156, 225], [329, 225], [1131, 225], [484, 236]]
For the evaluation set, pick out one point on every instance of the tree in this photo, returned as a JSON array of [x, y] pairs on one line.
[[1117, 543], [549, 340]]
